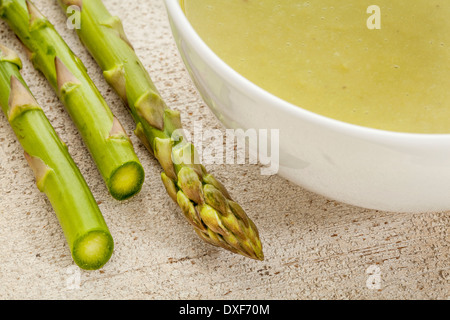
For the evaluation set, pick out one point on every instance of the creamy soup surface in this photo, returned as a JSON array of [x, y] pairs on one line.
[[321, 55]]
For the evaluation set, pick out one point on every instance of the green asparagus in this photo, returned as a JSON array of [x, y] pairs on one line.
[[56, 174], [205, 202], [107, 141]]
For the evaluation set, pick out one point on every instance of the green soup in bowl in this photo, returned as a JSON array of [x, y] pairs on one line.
[[324, 57]]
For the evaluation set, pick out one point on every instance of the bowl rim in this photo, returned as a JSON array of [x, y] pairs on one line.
[[184, 27]]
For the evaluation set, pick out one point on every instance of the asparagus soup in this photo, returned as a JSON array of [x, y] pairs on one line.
[[387, 69]]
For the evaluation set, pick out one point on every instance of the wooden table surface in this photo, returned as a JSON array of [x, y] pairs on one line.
[[315, 248]]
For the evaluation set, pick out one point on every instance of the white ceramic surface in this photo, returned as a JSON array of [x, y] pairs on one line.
[[360, 166]]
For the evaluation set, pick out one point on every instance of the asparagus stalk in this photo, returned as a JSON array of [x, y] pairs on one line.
[[56, 174], [205, 202], [107, 141]]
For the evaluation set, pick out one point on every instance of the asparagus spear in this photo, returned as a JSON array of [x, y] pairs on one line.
[[205, 202], [56, 174], [108, 143]]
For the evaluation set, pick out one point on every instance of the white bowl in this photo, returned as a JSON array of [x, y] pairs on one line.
[[365, 167]]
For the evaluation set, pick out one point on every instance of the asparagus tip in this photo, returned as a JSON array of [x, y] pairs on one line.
[[260, 256]]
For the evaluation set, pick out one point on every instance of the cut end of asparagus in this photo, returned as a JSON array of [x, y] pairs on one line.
[[93, 251], [127, 181]]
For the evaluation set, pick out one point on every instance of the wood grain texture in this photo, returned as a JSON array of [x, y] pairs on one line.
[[315, 248]]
